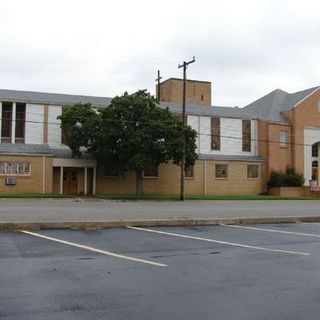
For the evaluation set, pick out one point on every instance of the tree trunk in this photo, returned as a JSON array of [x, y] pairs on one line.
[[139, 182]]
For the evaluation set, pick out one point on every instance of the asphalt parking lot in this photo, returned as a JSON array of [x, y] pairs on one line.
[[215, 272]]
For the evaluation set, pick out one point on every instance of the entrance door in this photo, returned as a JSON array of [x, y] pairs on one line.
[[70, 181]]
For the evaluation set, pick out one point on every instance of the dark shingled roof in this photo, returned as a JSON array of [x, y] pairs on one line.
[[25, 148], [270, 106]]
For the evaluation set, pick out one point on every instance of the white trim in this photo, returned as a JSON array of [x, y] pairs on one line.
[[205, 176], [13, 123], [61, 180], [0, 119], [94, 186], [85, 181], [75, 163], [43, 175], [305, 98]]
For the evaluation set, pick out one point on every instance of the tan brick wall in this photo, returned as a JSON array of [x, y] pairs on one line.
[[197, 92], [168, 180], [278, 158], [32, 183], [304, 114]]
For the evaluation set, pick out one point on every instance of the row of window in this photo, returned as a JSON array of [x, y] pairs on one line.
[[221, 171], [216, 134], [10, 168], [7, 117]]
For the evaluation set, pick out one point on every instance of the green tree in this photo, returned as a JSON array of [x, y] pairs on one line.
[[132, 134]]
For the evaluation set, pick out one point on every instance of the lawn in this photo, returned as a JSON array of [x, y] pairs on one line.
[[196, 197]]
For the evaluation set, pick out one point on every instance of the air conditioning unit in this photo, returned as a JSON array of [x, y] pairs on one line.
[[11, 181]]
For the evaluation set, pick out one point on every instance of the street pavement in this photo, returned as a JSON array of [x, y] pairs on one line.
[[44, 210]]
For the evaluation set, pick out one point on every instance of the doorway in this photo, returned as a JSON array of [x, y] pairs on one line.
[[70, 181]]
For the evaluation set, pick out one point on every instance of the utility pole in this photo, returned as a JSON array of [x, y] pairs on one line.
[[184, 65], [158, 89]]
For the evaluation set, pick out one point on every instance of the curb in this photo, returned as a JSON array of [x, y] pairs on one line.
[[40, 225]]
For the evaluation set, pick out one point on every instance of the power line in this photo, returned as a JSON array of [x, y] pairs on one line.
[[165, 125]]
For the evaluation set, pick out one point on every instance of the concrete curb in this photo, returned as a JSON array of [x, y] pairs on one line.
[[38, 225]]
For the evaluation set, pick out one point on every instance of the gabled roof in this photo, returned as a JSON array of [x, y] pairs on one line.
[[270, 106], [51, 98]]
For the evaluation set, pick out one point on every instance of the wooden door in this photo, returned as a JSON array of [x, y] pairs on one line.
[[70, 181]]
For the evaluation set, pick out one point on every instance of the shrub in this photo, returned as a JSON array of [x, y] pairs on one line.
[[288, 179]]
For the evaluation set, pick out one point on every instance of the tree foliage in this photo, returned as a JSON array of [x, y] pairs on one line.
[[131, 134]]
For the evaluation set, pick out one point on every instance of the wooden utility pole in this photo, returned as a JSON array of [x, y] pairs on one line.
[[158, 88], [184, 65]]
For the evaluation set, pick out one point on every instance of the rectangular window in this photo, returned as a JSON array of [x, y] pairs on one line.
[[215, 134], [20, 122], [222, 171], [150, 172], [283, 139], [110, 172], [189, 172], [15, 168], [315, 150], [6, 122], [252, 172], [246, 135]]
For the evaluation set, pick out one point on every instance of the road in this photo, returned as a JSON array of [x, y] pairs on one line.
[[92, 210]]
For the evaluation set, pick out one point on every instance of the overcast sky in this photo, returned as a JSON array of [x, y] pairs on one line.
[[246, 48]]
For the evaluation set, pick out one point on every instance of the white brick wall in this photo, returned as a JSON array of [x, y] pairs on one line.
[[34, 124], [54, 130], [231, 136]]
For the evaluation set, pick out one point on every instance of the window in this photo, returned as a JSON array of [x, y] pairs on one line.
[[110, 172], [65, 131], [20, 122], [315, 150], [150, 172], [189, 172], [283, 139], [222, 171], [202, 97], [215, 133], [252, 172], [6, 122], [15, 168], [246, 135]]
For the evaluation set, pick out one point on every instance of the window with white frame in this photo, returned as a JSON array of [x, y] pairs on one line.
[[283, 139], [12, 168]]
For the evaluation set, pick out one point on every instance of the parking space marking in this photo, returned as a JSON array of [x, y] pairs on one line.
[[272, 230], [220, 242], [107, 253]]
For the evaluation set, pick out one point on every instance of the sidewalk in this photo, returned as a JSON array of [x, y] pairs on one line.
[[68, 213]]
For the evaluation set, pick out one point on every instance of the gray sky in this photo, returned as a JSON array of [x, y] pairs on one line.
[[245, 48]]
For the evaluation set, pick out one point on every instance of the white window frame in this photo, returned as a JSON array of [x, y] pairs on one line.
[[17, 165]]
